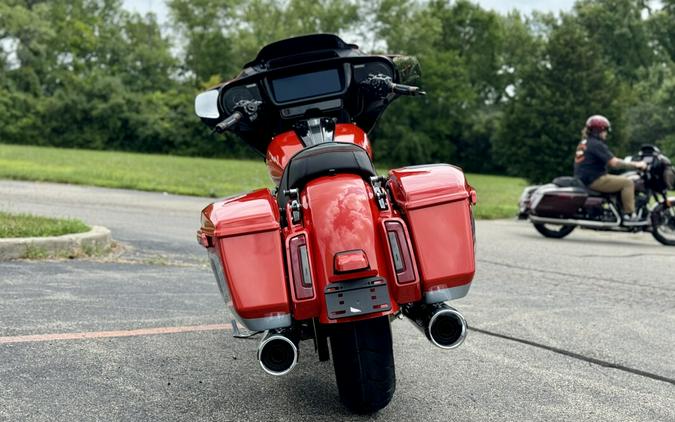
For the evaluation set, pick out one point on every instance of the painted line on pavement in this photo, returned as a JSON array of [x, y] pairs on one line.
[[108, 334]]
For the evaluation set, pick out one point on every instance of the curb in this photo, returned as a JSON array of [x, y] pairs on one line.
[[97, 238]]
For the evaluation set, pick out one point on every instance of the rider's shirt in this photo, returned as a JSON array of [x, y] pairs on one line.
[[591, 160]]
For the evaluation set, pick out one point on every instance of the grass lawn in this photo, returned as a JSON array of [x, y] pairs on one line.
[[497, 196], [26, 225]]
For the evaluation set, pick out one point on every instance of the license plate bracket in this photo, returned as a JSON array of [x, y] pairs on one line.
[[357, 297]]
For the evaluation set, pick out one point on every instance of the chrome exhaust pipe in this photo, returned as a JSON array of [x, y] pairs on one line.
[[444, 326], [277, 354]]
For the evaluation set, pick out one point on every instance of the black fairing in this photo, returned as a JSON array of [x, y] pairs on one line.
[[300, 49], [662, 176], [302, 55]]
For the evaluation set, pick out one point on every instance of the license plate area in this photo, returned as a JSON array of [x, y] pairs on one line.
[[357, 297]]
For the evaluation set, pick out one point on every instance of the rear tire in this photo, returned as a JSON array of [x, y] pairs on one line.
[[363, 359], [549, 231]]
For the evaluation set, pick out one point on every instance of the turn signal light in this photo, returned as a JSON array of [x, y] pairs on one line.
[[400, 253], [300, 268]]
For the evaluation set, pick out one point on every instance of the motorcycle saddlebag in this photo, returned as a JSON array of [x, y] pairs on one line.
[[553, 201], [436, 203], [243, 238]]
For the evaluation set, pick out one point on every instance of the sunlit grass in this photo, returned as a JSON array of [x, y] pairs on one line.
[[497, 195], [26, 225]]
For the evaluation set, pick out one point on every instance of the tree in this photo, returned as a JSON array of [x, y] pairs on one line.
[[222, 35], [620, 34], [541, 125]]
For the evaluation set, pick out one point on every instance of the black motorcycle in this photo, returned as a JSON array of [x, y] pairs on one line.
[[557, 208]]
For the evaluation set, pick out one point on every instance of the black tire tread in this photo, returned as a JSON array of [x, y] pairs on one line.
[[553, 234], [364, 364]]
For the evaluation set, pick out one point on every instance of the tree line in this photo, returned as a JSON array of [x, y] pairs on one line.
[[508, 93]]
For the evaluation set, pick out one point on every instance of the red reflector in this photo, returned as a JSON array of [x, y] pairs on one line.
[[347, 261], [300, 268], [400, 253], [203, 240]]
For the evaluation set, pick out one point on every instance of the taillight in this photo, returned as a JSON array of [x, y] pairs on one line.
[[400, 252], [300, 268]]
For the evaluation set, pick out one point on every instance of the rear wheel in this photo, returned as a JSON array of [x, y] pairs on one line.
[[363, 359], [663, 224], [554, 231]]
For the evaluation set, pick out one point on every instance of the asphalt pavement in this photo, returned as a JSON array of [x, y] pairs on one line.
[[561, 330]]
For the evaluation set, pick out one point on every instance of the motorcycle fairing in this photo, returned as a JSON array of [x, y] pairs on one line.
[[308, 54]]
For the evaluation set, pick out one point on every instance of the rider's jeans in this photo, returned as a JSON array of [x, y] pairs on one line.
[[611, 184]]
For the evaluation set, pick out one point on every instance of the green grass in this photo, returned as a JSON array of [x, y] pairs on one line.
[[497, 196], [26, 225]]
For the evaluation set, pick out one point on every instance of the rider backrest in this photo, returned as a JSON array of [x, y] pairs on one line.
[[322, 160]]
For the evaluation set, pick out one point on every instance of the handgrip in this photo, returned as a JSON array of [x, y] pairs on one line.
[[407, 90], [230, 121]]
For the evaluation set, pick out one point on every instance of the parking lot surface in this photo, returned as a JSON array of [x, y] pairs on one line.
[[576, 329]]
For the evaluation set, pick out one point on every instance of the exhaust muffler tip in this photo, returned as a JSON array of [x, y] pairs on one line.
[[277, 354], [447, 328]]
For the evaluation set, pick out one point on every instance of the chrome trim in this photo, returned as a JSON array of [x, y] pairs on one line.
[[456, 315], [277, 337], [318, 132], [266, 323], [580, 223], [442, 295], [221, 279]]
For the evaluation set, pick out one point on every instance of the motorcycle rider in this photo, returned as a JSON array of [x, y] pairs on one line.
[[591, 161]]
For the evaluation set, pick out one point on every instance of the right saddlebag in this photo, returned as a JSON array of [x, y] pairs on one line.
[[435, 201]]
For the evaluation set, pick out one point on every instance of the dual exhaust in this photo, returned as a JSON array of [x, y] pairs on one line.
[[445, 327]]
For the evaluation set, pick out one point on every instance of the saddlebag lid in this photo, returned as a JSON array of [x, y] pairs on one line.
[[426, 185]]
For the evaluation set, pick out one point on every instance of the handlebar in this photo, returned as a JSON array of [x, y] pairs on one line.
[[382, 85], [401, 89], [243, 108]]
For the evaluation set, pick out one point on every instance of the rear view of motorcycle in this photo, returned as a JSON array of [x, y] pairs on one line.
[[336, 251], [557, 208]]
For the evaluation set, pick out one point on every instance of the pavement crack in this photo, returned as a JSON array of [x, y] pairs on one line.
[[634, 255], [578, 356]]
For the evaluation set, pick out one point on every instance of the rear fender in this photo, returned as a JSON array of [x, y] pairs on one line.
[[342, 222], [524, 201]]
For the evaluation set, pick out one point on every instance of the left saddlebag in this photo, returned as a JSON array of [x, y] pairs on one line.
[[243, 239]]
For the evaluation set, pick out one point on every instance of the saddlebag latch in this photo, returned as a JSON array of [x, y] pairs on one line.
[[378, 183], [296, 211]]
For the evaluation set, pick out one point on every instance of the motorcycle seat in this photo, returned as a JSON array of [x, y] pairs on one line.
[[322, 160], [568, 182], [592, 192], [574, 182]]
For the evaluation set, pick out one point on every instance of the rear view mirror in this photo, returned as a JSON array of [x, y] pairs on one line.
[[409, 69], [206, 105]]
